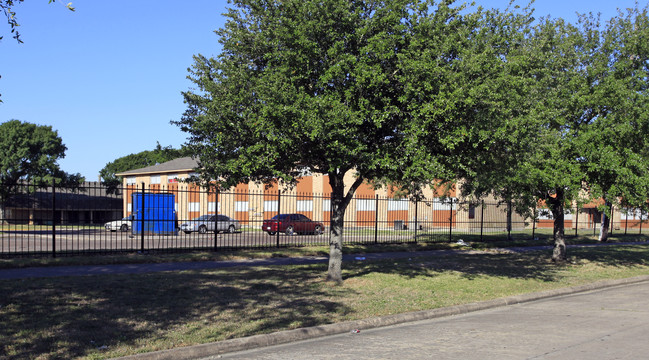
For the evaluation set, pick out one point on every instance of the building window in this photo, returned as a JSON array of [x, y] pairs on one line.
[[155, 179], [326, 205], [471, 211], [194, 207], [270, 206], [211, 207], [305, 205], [172, 178], [366, 205], [241, 206], [398, 204], [130, 180]]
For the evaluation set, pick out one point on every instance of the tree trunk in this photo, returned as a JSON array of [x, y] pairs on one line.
[[559, 251], [606, 220], [339, 202], [334, 273]]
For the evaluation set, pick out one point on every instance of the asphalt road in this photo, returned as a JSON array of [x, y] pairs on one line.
[[610, 323]]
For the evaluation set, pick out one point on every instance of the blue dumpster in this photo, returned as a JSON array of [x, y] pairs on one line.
[[154, 213]]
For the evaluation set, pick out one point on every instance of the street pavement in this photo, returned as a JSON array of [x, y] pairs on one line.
[[603, 324]]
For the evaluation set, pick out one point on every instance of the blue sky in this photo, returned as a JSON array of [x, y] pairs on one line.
[[108, 77]]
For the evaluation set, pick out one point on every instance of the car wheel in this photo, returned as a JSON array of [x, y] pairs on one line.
[[271, 233], [187, 232], [317, 230], [123, 228], [202, 229], [231, 229], [289, 231]]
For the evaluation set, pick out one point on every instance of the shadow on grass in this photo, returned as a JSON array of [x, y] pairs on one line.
[[71, 318], [533, 265]]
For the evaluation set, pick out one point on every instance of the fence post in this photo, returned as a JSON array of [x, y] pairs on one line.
[[416, 217], [481, 219], [279, 206], [594, 226], [53, 218], [612, 220], [533, 222], [576, 220], [216, 219], [142, 219], [640, 221], [450, 222], [376, 220], [626, 220]]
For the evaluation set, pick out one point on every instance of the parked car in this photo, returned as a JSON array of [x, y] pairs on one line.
[[292, 224], [205, 223], [121, 225]]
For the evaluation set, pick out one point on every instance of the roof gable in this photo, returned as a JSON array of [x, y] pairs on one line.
[[176, 165]]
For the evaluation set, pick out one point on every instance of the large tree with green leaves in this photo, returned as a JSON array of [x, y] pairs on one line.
[[583, 130], [483, 103], [304, 85], [617, 166], [134, 161], [30, 153]]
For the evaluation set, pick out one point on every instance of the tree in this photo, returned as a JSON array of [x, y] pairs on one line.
[[30, 153], [305, 85], [584, 129], [134, 161], [489, 88], [618, 167]]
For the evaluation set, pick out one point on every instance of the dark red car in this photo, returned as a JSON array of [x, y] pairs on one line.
[[292, 224]]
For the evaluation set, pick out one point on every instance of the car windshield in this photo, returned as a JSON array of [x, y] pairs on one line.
[[203, 217]]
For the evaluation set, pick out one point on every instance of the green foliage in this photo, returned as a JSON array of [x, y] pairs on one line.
[[134, 161], [319, 86], [583, 123], [30, 152], [299, 85]]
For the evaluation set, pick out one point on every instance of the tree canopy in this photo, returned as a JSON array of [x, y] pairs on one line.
[[30, 153], [585, 126], [332, 87]]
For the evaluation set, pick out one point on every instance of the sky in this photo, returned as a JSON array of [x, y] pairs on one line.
[[109, 76]]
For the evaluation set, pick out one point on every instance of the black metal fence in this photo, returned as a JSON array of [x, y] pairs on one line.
[[47, 220]]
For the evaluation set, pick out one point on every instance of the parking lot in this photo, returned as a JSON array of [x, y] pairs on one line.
[[75, 240]]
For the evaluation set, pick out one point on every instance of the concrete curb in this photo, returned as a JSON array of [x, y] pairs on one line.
[[283, 337]]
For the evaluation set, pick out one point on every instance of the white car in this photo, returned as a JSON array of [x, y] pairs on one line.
[[121, 225], [205, 223]]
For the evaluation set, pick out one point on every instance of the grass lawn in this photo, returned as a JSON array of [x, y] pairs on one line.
[[97, 317]]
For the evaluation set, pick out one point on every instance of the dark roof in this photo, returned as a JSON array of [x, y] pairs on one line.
[[180, 164], [90, 196]]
